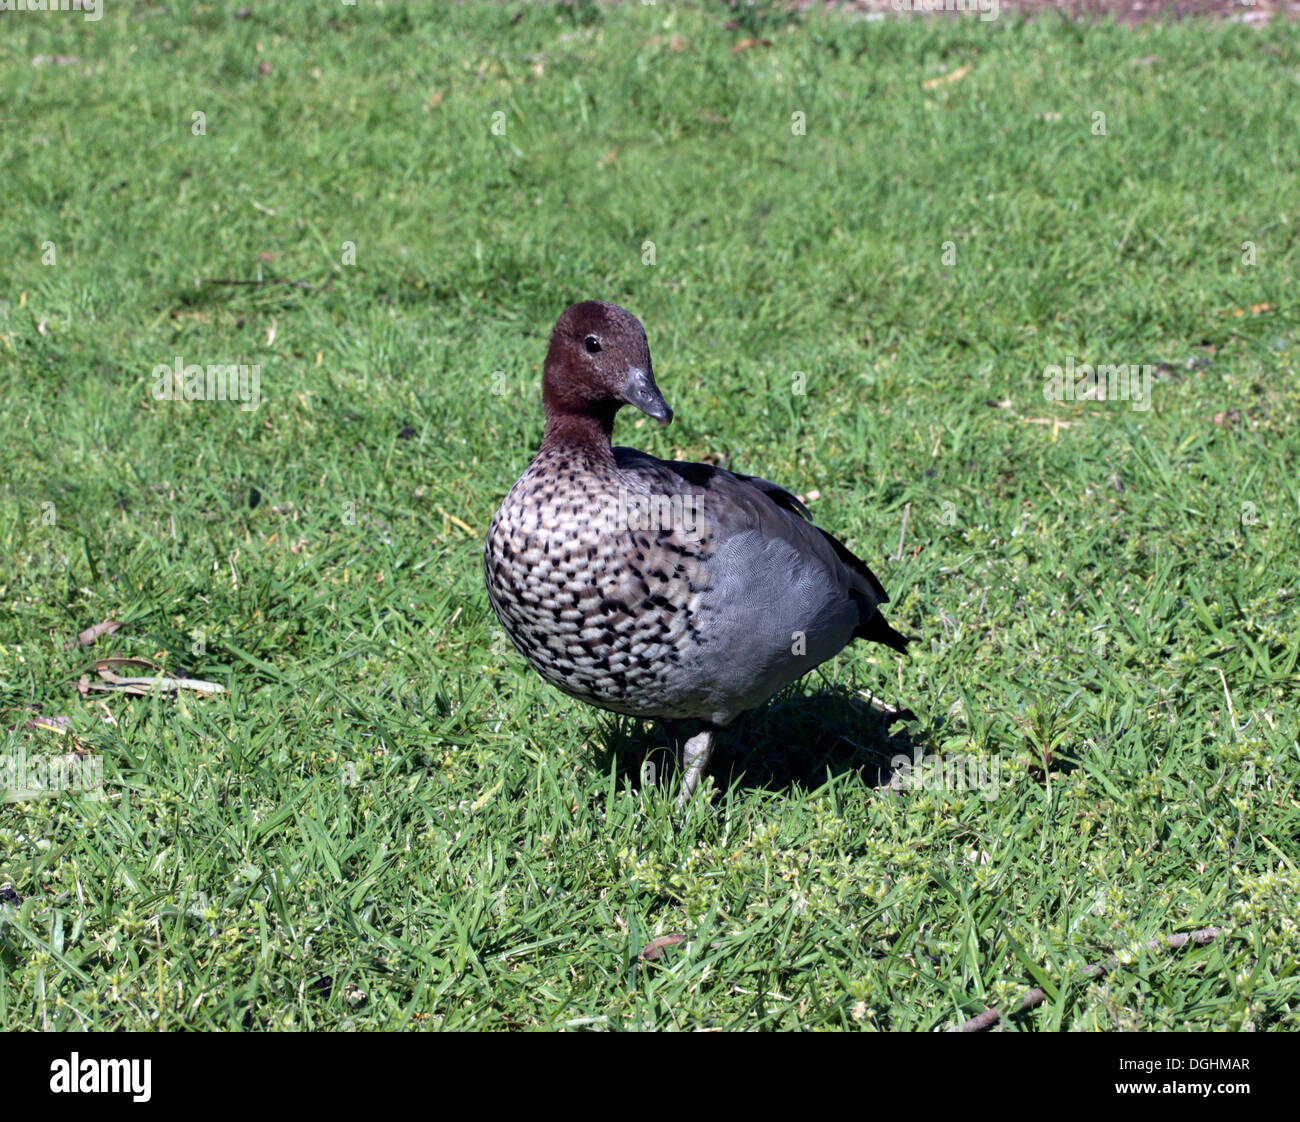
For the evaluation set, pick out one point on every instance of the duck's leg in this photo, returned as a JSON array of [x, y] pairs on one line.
[[672, 732], [695, 758]]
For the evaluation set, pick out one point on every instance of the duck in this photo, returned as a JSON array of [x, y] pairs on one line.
[[654, 588]]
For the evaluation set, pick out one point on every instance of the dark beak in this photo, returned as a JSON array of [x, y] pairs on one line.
[[642, 392]]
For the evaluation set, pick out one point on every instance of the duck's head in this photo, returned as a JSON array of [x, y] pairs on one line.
[[599, 361]]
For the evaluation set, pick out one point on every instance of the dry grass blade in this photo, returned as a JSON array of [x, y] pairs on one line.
[[111, 681]]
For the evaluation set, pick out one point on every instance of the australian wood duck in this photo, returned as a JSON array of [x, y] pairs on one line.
[[654, 588]]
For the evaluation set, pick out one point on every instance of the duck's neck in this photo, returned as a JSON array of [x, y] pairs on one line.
[[583, 436]]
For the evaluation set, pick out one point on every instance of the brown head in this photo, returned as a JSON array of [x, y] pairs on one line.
[[599, 361]]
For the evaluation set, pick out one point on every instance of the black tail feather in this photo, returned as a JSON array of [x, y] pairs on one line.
[[878, 630]]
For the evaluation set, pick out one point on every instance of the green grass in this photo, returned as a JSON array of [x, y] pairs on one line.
[[387, 802]]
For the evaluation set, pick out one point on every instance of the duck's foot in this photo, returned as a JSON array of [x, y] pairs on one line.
[[695, 758]]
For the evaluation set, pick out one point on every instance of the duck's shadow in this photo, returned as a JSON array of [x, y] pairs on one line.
[[793, 742]]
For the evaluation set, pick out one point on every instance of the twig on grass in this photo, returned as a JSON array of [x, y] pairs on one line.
[[1037, 995]]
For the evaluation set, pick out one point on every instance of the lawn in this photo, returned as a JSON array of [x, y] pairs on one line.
[[857, 248]]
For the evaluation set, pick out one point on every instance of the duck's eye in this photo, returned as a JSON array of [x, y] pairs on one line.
[[592, 344]]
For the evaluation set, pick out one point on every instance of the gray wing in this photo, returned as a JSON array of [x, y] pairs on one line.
[[737, 503]]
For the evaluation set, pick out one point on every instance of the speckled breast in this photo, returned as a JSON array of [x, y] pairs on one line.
[[600, 595]]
